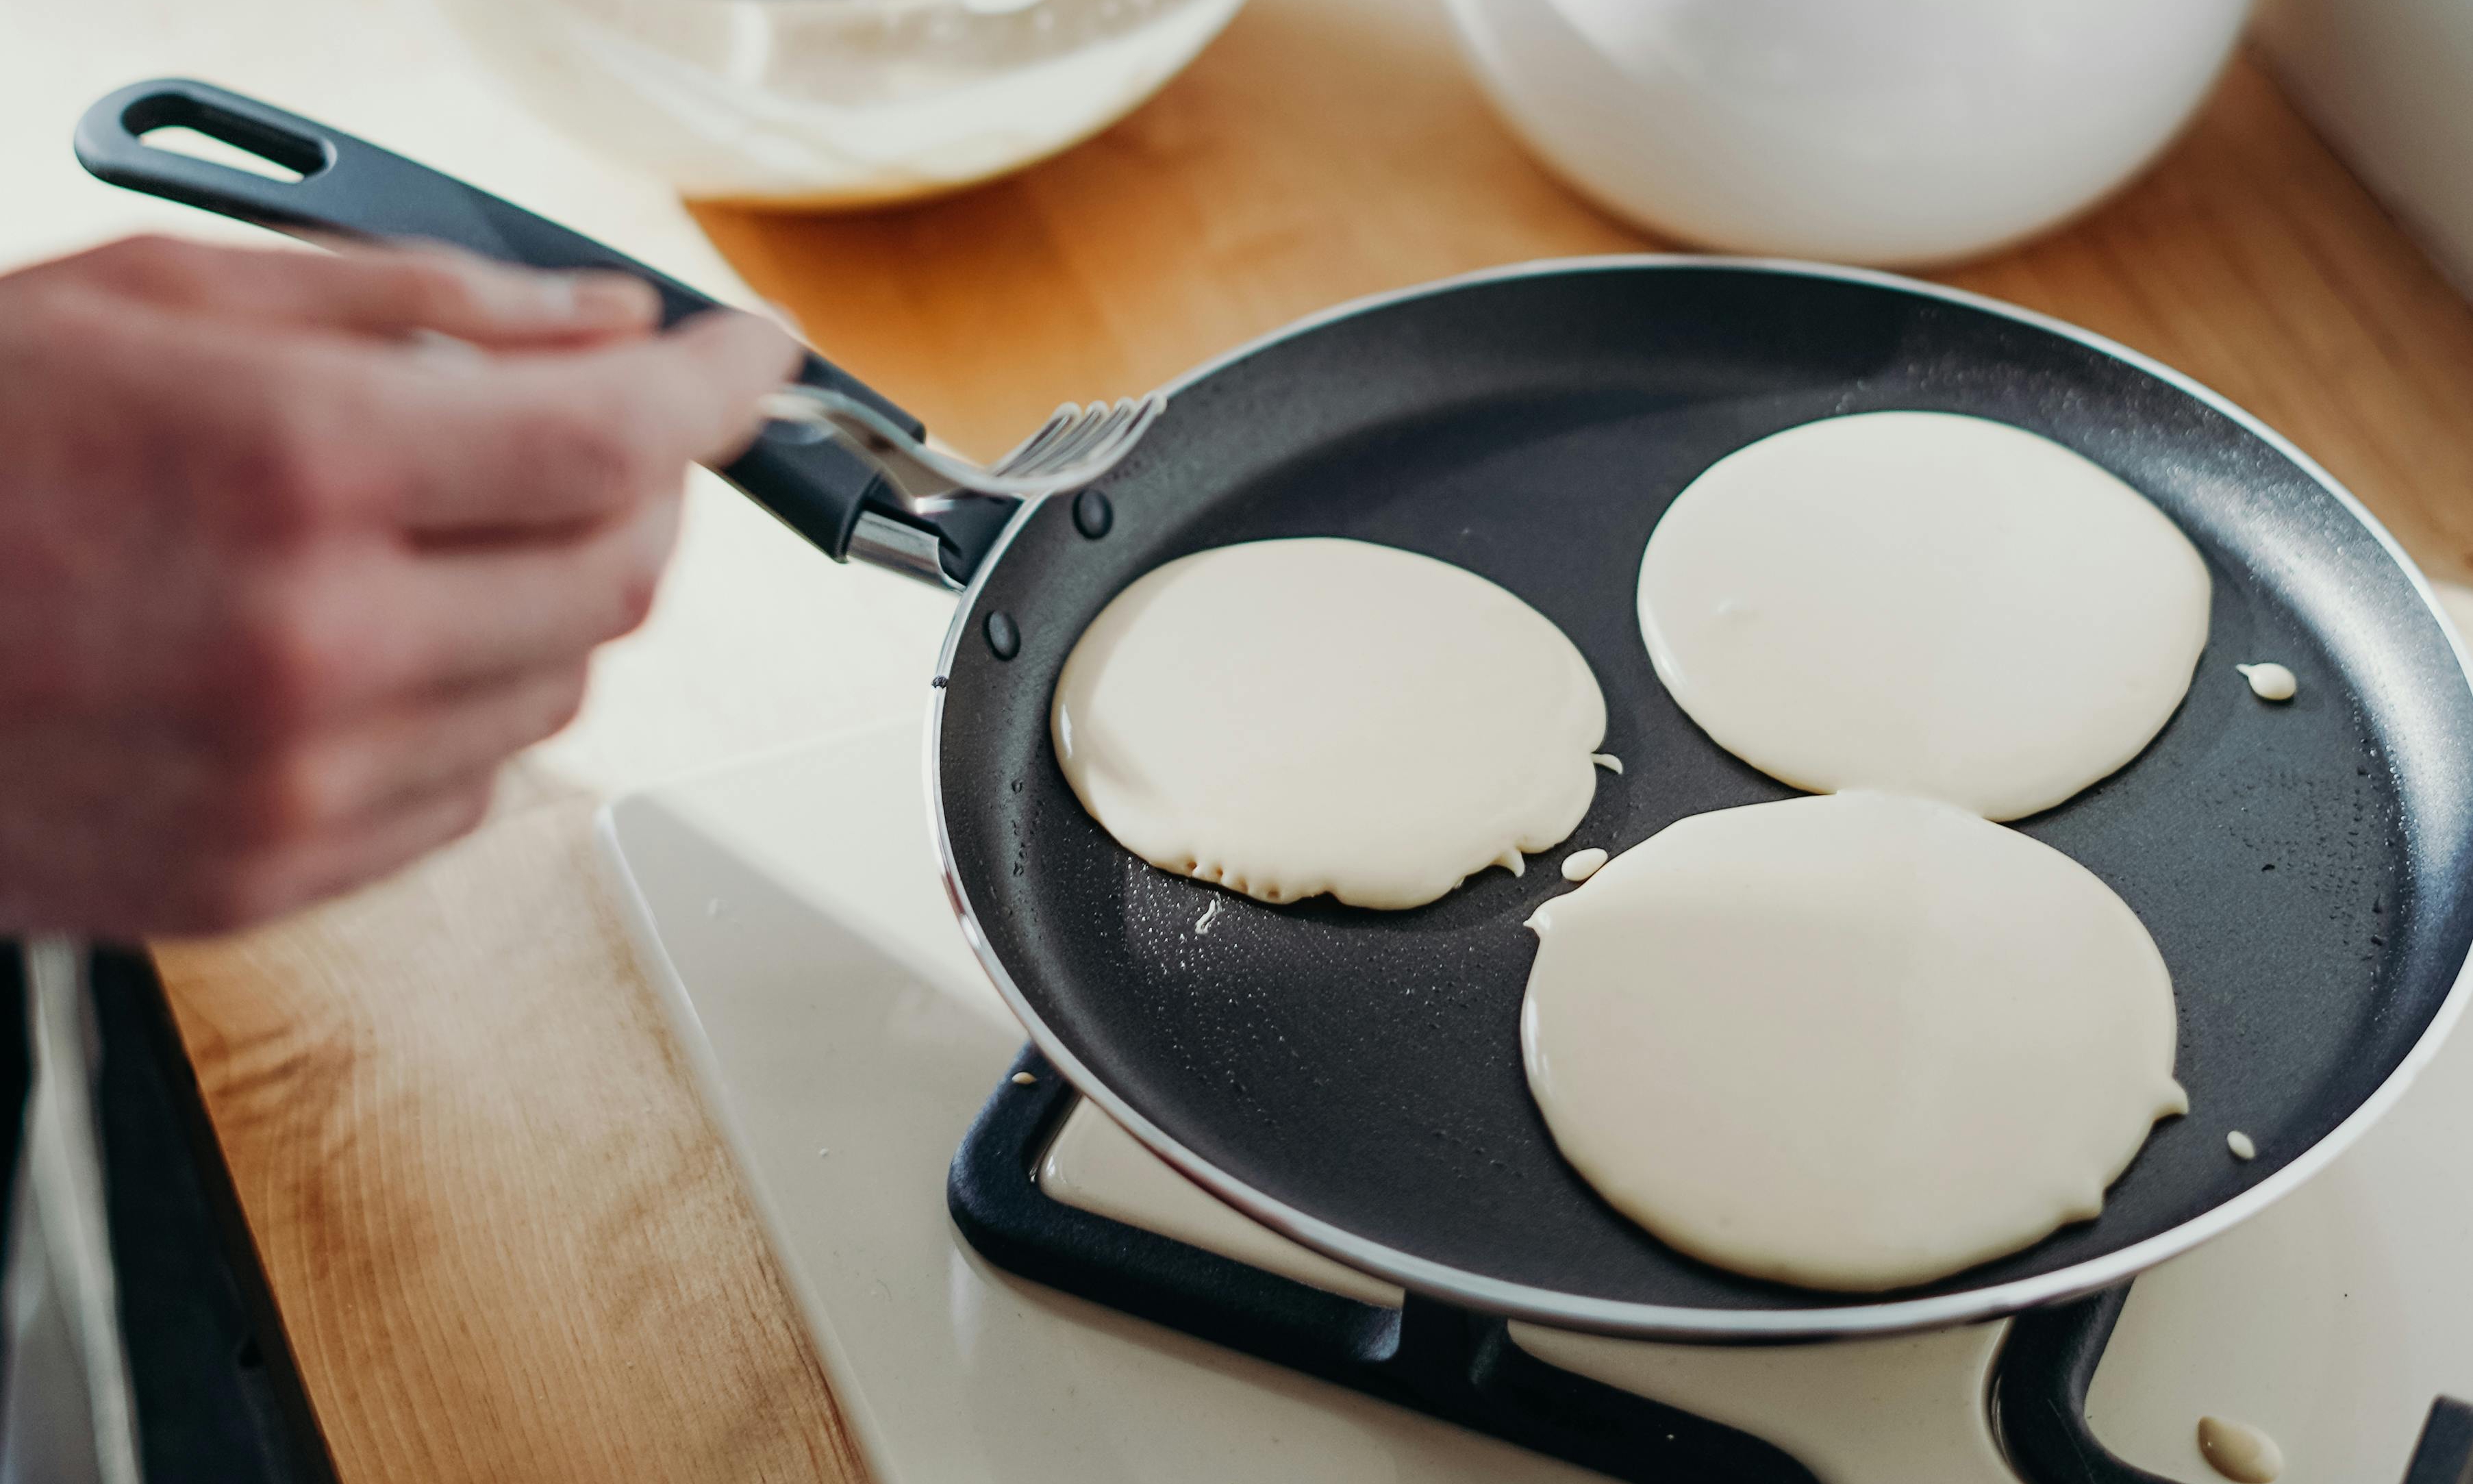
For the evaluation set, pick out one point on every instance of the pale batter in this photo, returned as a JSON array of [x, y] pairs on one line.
[[1580, 864], [1927, 604], [1851, 1042], [2269, 680], [1293, 717], [2240, 1451]]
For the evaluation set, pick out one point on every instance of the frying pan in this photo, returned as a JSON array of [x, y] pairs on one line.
[[1353, 1078]]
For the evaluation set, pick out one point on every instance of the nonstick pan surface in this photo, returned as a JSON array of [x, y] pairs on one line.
[[1354, 1077]]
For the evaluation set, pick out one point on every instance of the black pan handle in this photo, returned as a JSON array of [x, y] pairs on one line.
[[349, 187]]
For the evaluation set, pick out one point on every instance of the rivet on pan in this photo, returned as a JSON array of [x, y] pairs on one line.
[[1092, 514], [1004, 637]]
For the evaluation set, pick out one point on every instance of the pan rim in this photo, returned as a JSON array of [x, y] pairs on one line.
[[1629, 1319]]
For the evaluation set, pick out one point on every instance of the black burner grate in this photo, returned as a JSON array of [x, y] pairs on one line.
[[1462, 1367]]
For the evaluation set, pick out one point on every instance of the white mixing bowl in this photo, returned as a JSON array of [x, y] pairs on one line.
[[1886, 132]]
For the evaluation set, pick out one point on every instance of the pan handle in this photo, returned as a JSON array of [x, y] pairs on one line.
[[349, 187]]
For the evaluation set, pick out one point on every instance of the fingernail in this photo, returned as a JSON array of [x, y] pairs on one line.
[[606, 298]]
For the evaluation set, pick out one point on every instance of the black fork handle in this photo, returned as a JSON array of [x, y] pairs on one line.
[[352, 188]]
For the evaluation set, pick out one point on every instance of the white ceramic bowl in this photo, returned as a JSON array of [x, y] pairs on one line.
[[834, 103], [1882, 132]]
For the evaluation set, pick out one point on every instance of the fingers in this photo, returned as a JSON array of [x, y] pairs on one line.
[[408, 752], [383, 292], [529, 434], [331, 608], [341, 860], [481, 613], [366, 799], [388, 842], [713, 369], [323, 580], [365, 633], [552, 440]]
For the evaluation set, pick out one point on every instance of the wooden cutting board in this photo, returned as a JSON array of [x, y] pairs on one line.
[[505, 1242]]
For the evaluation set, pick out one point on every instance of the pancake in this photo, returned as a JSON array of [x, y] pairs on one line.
[[1925, 603], [1854, 1042], [1289, 718]]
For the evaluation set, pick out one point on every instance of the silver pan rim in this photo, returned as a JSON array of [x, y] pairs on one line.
[[1560, 1310]]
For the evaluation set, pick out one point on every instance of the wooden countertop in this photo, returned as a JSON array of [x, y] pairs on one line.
[[504, 1239]]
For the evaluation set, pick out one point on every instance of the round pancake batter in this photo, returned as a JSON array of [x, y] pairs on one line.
[[1855, 1043], [1293, 717], [1927, 604]]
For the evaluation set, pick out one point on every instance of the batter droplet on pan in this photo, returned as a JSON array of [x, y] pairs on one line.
[[1925, 604], [1294, 717], [1853, 1042], [2269, 680]]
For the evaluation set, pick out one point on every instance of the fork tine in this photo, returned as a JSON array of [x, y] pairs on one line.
[[1063, 416], [1071, 418], [1108, 440], [1146, 412], [1134, 419], [1070, 446], [1077, 446], [1105, 431]]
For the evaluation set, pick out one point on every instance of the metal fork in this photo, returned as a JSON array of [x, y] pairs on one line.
[[1077, 446]]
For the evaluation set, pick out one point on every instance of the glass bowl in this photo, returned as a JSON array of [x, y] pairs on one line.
[[820, 104]]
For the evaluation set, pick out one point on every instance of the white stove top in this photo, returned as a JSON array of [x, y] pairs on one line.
[[789, 910]]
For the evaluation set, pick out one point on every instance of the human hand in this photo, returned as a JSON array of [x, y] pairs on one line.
[[285, 575]]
